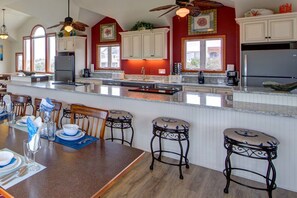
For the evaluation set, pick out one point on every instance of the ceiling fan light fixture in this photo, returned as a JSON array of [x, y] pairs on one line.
[[3, 31], [68, 28], [182, 12]]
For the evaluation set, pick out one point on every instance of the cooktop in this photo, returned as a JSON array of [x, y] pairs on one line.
[[153, 90]]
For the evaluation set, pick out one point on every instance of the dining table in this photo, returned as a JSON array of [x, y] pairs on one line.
[[87, 172]]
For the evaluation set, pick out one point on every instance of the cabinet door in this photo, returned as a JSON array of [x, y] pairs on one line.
[[148, 45], [66, 44], [227, 91], [154, 45], [282, 29], [198, 89], [253, 32], [131, 47]]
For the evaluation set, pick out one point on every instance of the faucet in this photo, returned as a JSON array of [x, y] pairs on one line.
[[143, 73]]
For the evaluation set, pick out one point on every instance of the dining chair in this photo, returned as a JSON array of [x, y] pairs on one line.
[[20, 104], [55, 115], [4, 194], [93, 121], [2, 94]]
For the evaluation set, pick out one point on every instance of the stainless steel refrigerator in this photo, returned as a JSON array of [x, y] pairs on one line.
[[268, 62], [65, 68]]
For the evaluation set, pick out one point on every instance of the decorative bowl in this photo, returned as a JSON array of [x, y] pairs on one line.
[[5, 157], [70, 129], [280, 87]]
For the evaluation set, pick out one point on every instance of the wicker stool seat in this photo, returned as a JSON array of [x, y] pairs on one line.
[[119, 119], [174, 130], [251, 144]]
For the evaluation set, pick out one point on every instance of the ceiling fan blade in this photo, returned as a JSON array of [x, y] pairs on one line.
[[78, 26], [176, 6], [162, 8], [61, 23], [81, 24], [207, 4], [62, 28], [194, 11]]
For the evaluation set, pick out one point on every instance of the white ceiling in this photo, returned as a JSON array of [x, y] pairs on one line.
[[125, 12]]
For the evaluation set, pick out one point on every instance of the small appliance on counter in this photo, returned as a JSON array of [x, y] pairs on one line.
[[232, 79], [201, 77], [86, 73]]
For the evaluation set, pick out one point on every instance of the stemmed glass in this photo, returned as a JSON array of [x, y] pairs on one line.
[[29, 155]]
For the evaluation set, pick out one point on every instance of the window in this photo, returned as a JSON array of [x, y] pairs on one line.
[[39, 51], [108, 56], [18, 61], [204, 53]]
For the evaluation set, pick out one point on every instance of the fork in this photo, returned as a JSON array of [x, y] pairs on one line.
[[84, 141], [20, 174]]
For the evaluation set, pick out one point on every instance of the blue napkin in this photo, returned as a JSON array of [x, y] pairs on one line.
[[11, 161], [46, 105], [32, 129], [74, 144]]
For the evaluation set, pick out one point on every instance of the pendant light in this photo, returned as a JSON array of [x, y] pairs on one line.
[[3, 31]]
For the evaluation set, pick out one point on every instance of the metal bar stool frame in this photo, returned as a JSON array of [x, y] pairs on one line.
[[66, 113], [178, 135], [255, 152], [124, 123]]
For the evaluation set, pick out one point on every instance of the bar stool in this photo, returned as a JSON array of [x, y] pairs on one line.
[[251, 144], [174, 130], [118, 119]]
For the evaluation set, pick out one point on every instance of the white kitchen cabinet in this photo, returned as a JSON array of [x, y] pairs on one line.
[[70, 43], [131, 46], [154, 44], [220, 90], [268, 28], [145, 44]]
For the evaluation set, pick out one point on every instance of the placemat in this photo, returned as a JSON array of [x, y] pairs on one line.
[[19, 179], [3, 115], [77, 144]]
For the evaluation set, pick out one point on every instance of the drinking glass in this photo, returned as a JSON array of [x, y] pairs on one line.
[[11, 117], [30, 155], [51, 130]]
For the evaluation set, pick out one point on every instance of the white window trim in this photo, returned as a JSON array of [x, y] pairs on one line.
[[109, 57]]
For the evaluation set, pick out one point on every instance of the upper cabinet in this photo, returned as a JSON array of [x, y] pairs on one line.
[[268, 28], [145, 44], [70, 43], [131, 46]]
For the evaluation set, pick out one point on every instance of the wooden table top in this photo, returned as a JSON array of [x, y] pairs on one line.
[[87, 172]]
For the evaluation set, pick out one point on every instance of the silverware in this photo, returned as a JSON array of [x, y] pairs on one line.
[[20, 174], [9, 175], [84, 141]]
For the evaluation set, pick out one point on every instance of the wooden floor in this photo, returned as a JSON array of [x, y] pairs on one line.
[[198, 182]]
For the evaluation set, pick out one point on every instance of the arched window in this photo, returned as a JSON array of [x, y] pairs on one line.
[[39, 51]]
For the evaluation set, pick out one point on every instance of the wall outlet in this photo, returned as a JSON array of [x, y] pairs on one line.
[[162, 71]]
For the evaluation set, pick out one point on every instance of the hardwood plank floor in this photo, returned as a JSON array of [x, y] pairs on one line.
[[198, 182]]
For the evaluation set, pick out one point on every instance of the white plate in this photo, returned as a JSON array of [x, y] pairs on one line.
[[13, 166], [21, 123], [59, 133], [5, 157]]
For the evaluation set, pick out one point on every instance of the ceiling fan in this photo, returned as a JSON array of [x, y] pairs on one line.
[[193, 8], [69, 24]]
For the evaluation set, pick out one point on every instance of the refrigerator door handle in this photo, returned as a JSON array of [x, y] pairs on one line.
[[244, 75]]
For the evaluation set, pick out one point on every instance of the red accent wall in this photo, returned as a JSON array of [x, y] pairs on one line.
[[226, 25], [129, 66]]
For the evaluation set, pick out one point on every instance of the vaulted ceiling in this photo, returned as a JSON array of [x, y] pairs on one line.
[[125, 12]]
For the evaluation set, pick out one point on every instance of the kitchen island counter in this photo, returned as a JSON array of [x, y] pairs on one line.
[[203, 100], [208, 114]]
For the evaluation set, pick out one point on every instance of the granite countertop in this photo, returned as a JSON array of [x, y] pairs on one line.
[[222, 85], [264, 90], [196, 99]]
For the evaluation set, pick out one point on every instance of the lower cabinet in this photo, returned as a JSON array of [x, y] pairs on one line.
[[219, 90]]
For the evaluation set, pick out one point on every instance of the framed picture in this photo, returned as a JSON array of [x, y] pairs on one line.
[[205, 23], [108, 32]]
